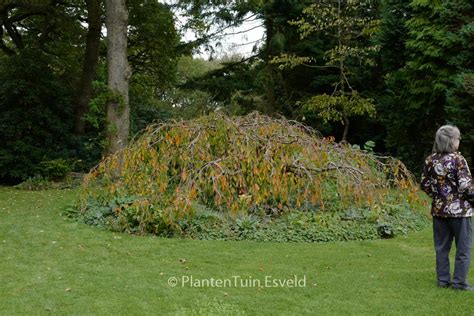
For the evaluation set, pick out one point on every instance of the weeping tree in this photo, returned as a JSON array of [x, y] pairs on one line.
[[252, 165], [348, 25]]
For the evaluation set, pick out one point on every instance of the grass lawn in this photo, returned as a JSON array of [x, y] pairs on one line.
[[49, 264]]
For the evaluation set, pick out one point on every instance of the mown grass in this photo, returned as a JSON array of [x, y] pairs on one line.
[[49, 264]]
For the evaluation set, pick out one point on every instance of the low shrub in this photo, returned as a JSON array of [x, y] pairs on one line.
[[35, 183], [39, 182], [56, 169]]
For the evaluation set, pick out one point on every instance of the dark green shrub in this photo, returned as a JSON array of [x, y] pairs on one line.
[[56, 169], [35, 115], [35, 183]]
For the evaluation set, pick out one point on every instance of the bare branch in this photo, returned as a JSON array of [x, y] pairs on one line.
[[13, 33], [4, 47]]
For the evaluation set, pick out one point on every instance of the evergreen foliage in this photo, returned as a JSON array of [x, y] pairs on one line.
[[431, 89], [35, 119]]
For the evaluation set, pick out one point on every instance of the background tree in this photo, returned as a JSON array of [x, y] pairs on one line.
[[252, 82], [36, 119], [421, 77], [40, 46], [89, 66], [430, 89], [381, 84], [345, 24], [119, 72]]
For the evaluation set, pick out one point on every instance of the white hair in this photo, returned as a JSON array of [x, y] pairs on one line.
[[445, 137]]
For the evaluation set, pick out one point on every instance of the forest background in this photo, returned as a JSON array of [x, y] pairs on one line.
[[383, 75]]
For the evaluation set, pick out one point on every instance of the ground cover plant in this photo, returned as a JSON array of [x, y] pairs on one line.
[[252, 177]]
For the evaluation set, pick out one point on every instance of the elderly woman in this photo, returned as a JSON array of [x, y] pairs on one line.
[[447, 180]]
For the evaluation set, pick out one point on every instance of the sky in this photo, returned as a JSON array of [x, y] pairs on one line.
[[238, 40]]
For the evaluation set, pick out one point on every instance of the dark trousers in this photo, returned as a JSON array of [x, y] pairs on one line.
[[444, 230]]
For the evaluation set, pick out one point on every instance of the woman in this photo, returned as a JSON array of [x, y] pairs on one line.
[[447, 180]]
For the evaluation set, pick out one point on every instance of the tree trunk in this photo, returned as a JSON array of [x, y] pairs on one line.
[[118, 110], [342, 82], [269, 85], [91, 58], [346, 127]]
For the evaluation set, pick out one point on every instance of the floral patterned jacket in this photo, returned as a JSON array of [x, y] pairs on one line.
[[447, 180]]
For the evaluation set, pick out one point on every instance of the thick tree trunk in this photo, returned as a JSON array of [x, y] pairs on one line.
[[118, 110], [91, 58]]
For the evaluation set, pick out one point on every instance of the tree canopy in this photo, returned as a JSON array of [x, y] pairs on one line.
[[393, 70]]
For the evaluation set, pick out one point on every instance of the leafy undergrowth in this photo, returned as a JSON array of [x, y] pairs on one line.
[[252, 177], [38, 183], [299, 226]]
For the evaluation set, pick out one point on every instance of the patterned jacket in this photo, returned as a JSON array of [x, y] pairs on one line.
[[447, 180]]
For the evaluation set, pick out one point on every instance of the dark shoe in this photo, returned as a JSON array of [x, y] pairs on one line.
[[444, 285], [467, 288]]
